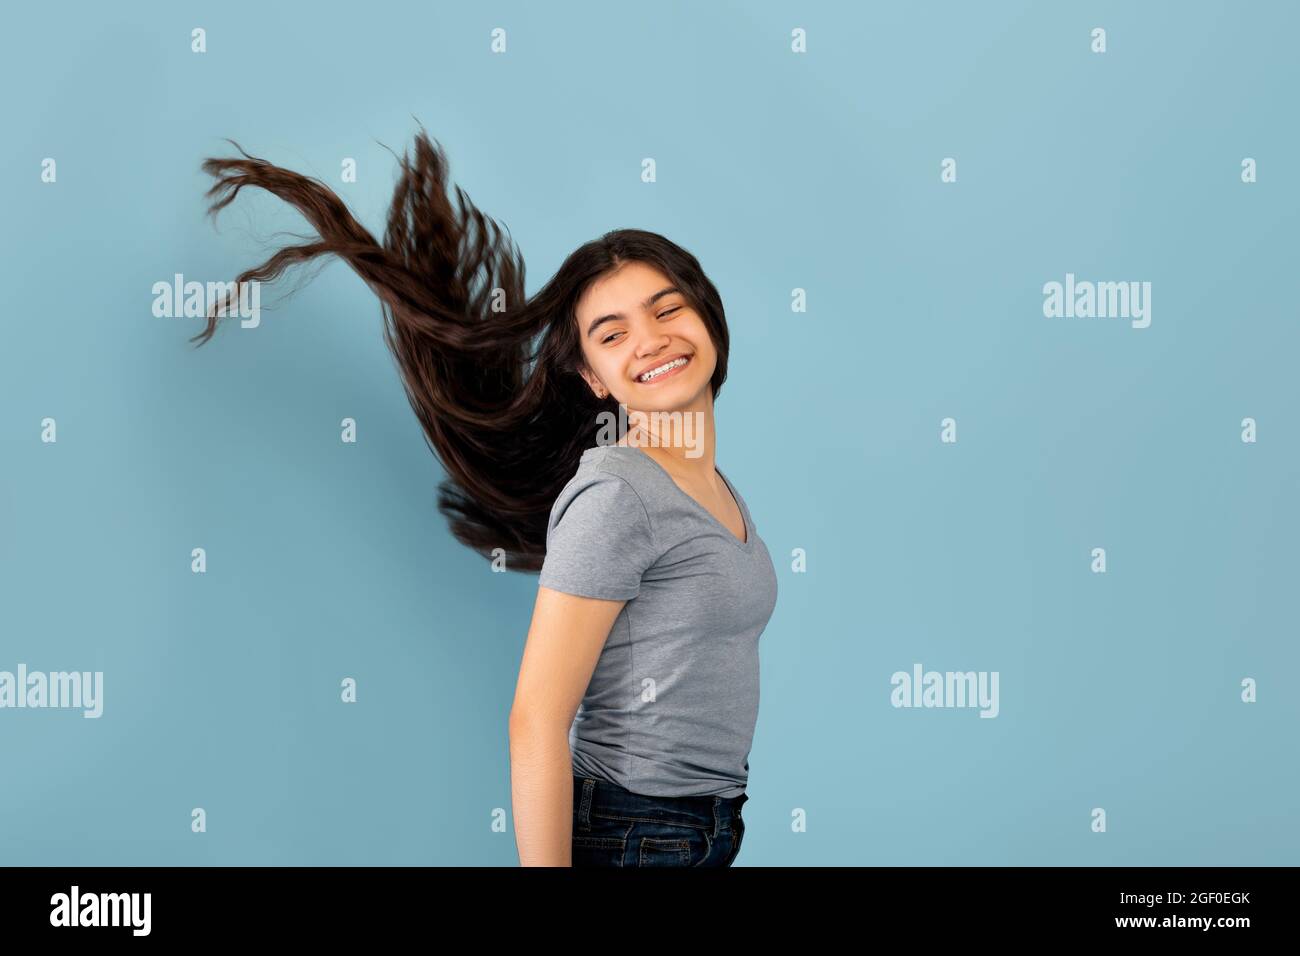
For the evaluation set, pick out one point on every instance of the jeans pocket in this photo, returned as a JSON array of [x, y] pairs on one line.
[[668, 844], [601, 843], [598, 851]]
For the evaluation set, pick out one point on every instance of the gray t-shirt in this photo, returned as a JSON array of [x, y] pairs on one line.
[[673, 702]]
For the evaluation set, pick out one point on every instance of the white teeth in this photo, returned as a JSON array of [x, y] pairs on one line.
[[655, 372]]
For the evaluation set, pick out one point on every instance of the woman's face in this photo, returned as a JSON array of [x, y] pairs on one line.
[[634, 321]]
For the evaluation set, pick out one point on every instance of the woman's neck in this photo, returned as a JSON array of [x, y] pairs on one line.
[[682, 441]]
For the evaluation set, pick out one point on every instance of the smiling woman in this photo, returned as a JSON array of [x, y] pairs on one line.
[[654, 593], [513, 401]]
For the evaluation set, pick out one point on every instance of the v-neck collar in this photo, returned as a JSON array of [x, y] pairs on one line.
[[747, 544]]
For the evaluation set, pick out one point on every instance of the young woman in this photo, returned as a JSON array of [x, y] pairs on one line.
[[637, 695]]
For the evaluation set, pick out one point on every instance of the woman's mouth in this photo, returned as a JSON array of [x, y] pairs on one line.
[[663, 370]]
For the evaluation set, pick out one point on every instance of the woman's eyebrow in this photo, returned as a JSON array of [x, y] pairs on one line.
[[615, 316]]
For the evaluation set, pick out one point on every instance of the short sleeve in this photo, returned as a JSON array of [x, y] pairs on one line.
[[599, 542]]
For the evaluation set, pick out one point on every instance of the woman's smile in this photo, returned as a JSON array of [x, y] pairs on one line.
[[677, 364]]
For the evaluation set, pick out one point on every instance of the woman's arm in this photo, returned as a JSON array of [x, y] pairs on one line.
[[560, 655]]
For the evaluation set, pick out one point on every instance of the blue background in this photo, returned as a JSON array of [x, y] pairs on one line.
[[780, 171]]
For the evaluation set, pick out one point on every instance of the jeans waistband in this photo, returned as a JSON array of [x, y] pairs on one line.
[[592, 796]]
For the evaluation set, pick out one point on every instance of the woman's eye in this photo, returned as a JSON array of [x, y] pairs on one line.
[[662, 315]]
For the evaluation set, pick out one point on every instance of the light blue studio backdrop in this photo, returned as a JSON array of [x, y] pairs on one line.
[[818, 171]]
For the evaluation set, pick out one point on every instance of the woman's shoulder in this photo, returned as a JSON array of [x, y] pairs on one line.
[[600, 540], [608, 479], [630, 464]]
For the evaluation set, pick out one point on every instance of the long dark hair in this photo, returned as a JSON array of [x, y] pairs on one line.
[[494, 377]]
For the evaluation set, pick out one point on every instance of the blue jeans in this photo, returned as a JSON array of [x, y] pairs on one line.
[[616, 827]]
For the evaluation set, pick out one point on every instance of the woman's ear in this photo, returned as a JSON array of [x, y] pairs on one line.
[[593, 383]]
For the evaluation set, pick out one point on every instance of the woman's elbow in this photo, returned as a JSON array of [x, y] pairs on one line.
[[533, 721]]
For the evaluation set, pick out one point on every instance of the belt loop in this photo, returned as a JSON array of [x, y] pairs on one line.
[[717, 824], [584, 811]]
